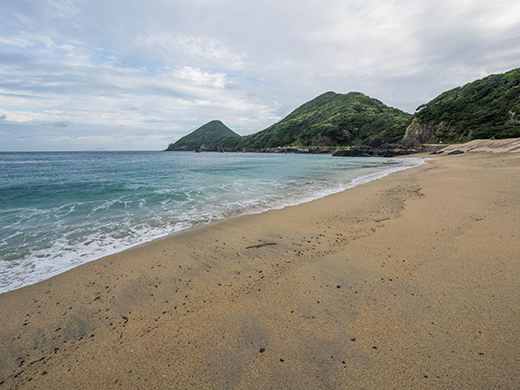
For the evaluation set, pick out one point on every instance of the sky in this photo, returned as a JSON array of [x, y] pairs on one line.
[[138, 75]]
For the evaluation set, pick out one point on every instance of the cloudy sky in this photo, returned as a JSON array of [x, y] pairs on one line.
[[136, 74]]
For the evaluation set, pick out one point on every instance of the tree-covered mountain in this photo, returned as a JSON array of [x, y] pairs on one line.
[[487, 108], [210, 136], [331, 119]]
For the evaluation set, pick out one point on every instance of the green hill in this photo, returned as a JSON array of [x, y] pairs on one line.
[[331, 119], [487, 108], [210, 136]]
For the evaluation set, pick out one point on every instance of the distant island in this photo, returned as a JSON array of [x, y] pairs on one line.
[[210, 136], [487, 108]]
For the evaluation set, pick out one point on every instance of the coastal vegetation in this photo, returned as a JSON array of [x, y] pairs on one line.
[[331, 119], [487, 108], [210, 136]]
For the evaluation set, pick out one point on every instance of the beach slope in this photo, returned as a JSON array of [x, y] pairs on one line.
[[411, 281]]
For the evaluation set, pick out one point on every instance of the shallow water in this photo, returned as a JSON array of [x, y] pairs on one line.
[[60, 210]]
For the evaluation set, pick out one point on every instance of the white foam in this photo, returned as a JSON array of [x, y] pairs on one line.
[[63, 254]]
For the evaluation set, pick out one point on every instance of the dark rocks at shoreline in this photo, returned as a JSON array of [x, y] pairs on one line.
[[364, 151], [373, 148], [287, 150], [455, 152], [376, 148], [280, 150]]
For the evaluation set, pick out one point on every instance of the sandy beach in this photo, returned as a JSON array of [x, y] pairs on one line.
[[408, 282]]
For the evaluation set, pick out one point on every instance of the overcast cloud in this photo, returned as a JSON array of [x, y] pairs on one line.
[[128, 74]]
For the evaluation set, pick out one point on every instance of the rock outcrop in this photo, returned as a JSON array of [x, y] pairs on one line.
[[426, 133], [455, 152], [400, 148]]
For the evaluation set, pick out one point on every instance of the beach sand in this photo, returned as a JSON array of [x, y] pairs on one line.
[[407, 282]]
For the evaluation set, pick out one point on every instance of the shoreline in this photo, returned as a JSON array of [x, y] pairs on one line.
[[409, 281], [288, 203]]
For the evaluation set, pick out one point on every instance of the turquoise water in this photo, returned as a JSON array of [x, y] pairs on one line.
[[60, 210]]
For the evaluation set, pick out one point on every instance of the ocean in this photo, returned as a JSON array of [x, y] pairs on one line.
[[62, 209]]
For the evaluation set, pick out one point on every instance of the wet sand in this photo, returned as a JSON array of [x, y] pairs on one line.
[[408, 282]]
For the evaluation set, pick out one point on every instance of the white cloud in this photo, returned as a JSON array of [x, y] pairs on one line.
[[167, 67], [173, 46], [201, 78]]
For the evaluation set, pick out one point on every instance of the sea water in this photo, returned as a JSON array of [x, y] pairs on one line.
[[60, 210]]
